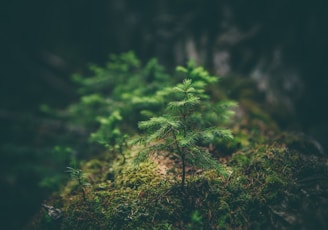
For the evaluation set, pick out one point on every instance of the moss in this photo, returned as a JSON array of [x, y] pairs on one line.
[[257, 180], [142, 198]]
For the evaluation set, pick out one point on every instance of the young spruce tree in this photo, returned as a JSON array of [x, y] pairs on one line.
[[78, 175], [184, 129]]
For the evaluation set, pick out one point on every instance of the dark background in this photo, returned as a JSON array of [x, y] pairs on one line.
[[281, 44]]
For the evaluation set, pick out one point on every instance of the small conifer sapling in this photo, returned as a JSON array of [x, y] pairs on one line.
[[77, 175], [184, 128]]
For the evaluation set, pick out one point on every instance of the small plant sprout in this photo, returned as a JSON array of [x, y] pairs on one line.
[[77, 174], [109, 134], [185, 127]]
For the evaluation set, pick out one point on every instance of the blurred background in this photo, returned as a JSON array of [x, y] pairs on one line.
[[280, 44]]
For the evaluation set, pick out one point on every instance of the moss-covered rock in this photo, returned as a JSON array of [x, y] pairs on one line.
[[268, 179], [267, 185]]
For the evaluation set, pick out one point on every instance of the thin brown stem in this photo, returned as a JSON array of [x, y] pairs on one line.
[[183, 160], [183, 172]]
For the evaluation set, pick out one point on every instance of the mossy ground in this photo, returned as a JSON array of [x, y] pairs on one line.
[[268, 180]]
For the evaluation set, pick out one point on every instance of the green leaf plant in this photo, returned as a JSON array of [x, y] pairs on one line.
[[189, 123]]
